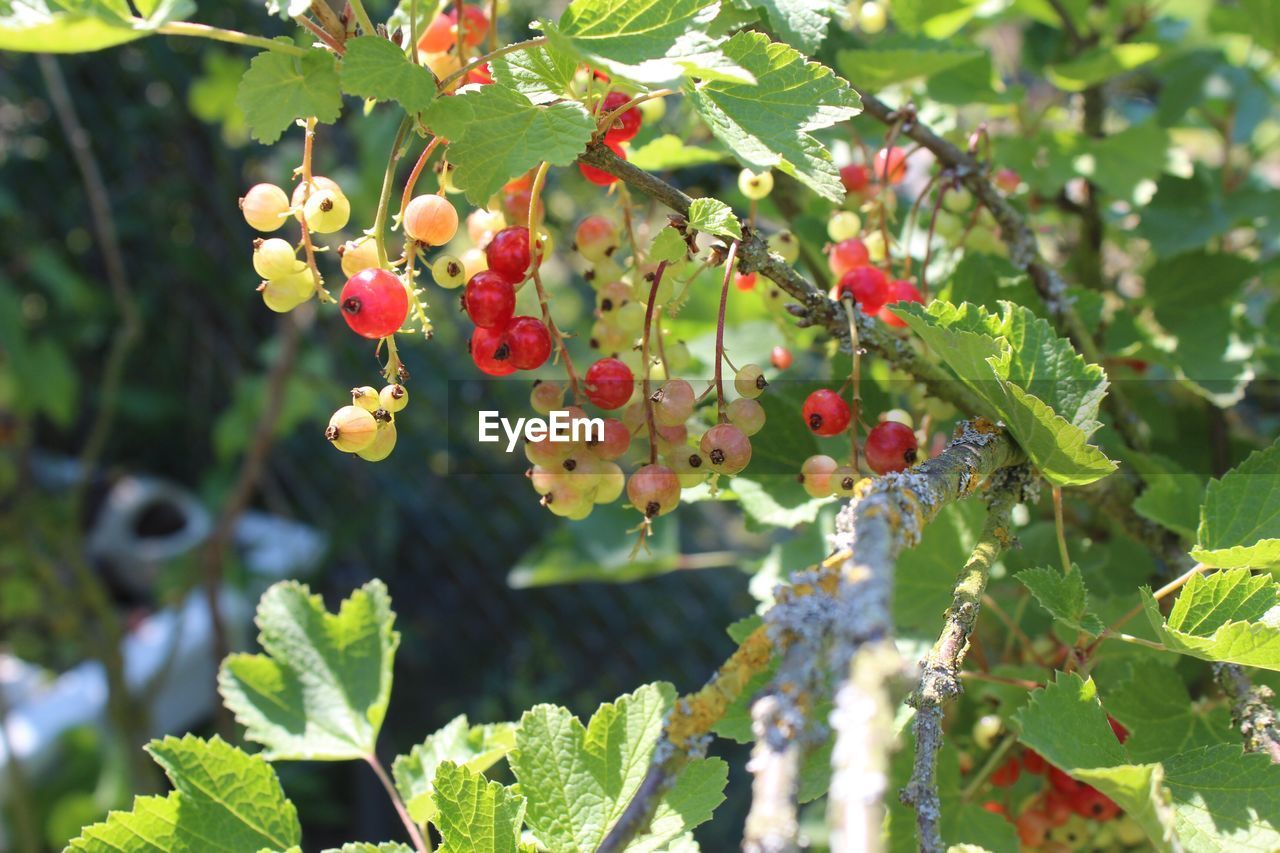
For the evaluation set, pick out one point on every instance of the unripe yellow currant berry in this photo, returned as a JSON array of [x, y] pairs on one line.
[[610, 483], [265, 207], [755, 185], [843, 480], [986, 730], [430, 219], [546, 397], [318, 183], [872, 18], [384, 441], [874, 241], [957, 200], [351, 429], [449, 271], [366, 397], [678, 356], [843, 225], [275, 258], [394, 398], [901, 416], [785, 245], [473, 261], [327, 211], [358, 256], [749, 381], [284, 294]]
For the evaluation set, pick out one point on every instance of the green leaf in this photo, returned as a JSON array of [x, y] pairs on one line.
[[1004, 358], [375, 68], [278, 89], [1240, 519], [937, 19], [1194, 296], [578, 780], [1154, 705], [1173, 495], [649, 41], [924, 575], [476, 816], [78, 26], [896, 60], [768, 125], [714, 217], [1064, 596], [669, 152], [542, 74], [1100, 64], [669, 246], [320, 692], [591, 550], [475, 747], [367, 847], [496, 134], [800, 23], [1224, 799], [223, 800], [1215, 618]]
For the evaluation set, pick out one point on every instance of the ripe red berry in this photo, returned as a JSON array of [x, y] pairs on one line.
[[609, 383], [530, 342], [780, 358], [1121, 733], [891, 446], [995, 808], [490, 300], [1032, 827], [825, 412], [727, 448], [508, 253], [480, 75], [1033, 761], [599, 176], [1063, 783], [891, 164], [439, 35], [625, 126], [854, 177], [491, 351], [475, 25], [867, 285], [1008, 180], [848, 254], [654, 490], [1006, 774], [1089, 802], [745, 281], [900, 290], [374, 303]]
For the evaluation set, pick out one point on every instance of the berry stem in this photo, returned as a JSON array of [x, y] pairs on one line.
[[855, 377], [384, 199], [395, 367], [413, 33], [186, 28], [308, 146], [417, 172], [1172, 586], [366, 23], [493, 54], [729, 263], [928, 243], [644, 361], [1061, 529], [611, 117], [624, 196], [535, 262], [320, 33], [912, 218]]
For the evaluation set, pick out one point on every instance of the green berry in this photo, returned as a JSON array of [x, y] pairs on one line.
[[366, 397], [755, 185], [393, 398], [275, 258]]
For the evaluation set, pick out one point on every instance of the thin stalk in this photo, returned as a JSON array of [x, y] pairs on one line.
[[607, 122], [724, 302], [308, 146], [415, 834], [320, 33], [855, 377], [535, 263], [417, 172], [366, 23], [384, 199], [1060, 526], [187, 28], [988, 767], [644, 358], [444, 84], [1171, 587]]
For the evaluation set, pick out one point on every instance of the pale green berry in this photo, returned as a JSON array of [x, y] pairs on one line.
[[901, 416], [546, 397], [986, 730], [678, 356], [449, 272], [872, 18], [284, 294], [358, 255], [874, 241], [785, 245], [844, 225], [843, 481], [630, 319], [275, 258], [747, 415], [351, 429], [755, 185], [690, 466], [957, 200], [393, 398], [327, 211], [749, 381], [366, 397], [384, 441], [265, 207], [609, 483]]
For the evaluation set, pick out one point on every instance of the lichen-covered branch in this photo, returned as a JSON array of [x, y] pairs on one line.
[[940, 676], [1251, 710]]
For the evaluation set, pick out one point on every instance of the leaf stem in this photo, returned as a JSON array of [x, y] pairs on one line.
[[366, 23], [444, 84], [415, 834], [187, 28], [724, 302], [417, 172], [1061, 529], [644, 361], [855, 376], [1172, 586], [384, 200]]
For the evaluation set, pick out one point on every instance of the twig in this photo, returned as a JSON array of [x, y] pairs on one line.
[[644, 361], [186, 28], [1251, 710], [384, 198], [1061, 530], [445, 83], [724, 302], [940, 680], [329, 20], [364, 20], [415, 834]]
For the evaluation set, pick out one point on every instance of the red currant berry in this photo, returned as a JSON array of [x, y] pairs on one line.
[[1091, 803], [727, 448], [825, 412], [868, 287], [995, 808], [617, 438], [780, 358], [1057, 807], [491, 351], [1033, 827], [374, 303], [1006, 774], [530, 342], [508, 253], [891, 446], [1064, 783], [609, 383], [1008, 180], [900, 290], [490, 300], [848, 254], [1033, 762], [596, 238], [1121, 733], [599, 177], [625, 126], [744, 280], [854, 177], [474, 26], [891, 165], [438, 36], [654, 490], [480, 75]]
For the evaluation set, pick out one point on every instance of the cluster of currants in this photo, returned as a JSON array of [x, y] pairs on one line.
[[1063, 814], [438, 42], [622, 129], [502, 342], [320, 206], [367, 427]]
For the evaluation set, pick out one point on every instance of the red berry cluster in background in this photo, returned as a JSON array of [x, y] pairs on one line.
[[503, 343]]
